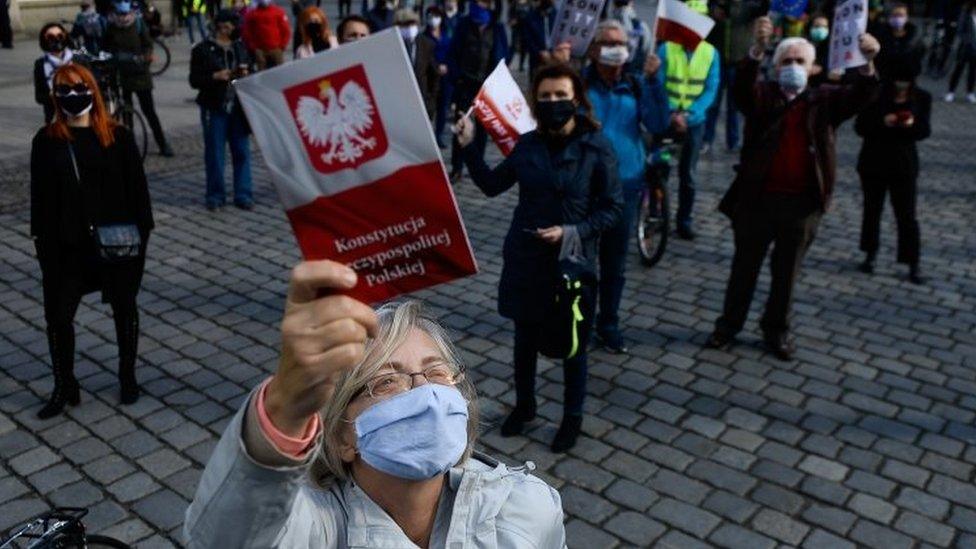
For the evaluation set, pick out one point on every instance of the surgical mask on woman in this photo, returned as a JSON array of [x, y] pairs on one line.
[[553, 115], [434, 21], [792, 78], [415, 435], [613, 56], [897, 22], [479, 14], [819, 34], [409, 33]]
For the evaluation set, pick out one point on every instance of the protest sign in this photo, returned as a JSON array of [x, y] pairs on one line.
[[850, 22], [576, 22], [353, 157], [502, 110]]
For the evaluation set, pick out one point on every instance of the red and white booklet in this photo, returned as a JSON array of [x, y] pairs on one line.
[[352, 154]]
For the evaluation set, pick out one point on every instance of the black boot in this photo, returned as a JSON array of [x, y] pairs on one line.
[[867, 267], [567, 434], [127, 333], [915, 275], [66, 389], [515, 422]]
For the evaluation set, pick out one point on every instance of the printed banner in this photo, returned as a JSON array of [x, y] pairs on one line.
[[850, 22], [502, 110], [575, 22], [353, 157]]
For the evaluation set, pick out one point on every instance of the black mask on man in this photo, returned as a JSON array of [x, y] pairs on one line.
[[553, 115]]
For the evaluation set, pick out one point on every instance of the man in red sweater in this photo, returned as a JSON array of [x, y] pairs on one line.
[[266, 33], [786, 175]]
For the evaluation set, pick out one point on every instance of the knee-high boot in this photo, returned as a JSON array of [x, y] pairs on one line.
[[62, 347]]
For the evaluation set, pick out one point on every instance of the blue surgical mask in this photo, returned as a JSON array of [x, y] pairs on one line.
[[819, 34], [479, 15], [793, 78], [415, 435]]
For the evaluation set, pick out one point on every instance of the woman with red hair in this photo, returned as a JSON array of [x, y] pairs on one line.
[[313, 27], [90, 221]]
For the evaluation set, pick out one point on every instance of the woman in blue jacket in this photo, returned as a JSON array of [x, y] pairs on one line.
[[568, 186]]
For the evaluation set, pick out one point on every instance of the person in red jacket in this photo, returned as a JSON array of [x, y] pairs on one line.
[[266, 32]]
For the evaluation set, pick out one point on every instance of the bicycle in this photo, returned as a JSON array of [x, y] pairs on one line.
[[106, 70], [60, 528], [654, 216], [161, 54]]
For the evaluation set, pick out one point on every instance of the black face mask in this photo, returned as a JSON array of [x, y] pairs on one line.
[[553, 115], [313, 29], [75, 104], [54, 44]]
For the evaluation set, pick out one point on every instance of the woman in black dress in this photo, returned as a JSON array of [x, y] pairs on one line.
[[566, 172], [888, 164], [86, 174]]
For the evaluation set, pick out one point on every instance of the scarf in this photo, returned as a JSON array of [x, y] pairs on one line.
[[52, 62]]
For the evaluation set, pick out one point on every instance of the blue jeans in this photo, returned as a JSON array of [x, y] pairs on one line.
[[195, 18], [731, 113], [220, 128], [614, 245], [687, 172]]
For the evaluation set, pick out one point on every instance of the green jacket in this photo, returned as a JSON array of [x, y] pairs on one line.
[[130, 46]]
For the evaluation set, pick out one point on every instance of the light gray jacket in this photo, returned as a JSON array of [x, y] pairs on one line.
[[242, 503]]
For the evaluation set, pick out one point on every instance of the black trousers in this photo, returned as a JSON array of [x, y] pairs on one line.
[[787, 222], [148, 108], [6, 33], [962, 63], [903, 192], [527, 336]]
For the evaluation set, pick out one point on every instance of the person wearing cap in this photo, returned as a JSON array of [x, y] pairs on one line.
[[421, 49], [214, 63], [127, 38], [691, 78]]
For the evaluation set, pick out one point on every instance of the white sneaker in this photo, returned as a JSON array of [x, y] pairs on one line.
[[971, 98], [949, 97]]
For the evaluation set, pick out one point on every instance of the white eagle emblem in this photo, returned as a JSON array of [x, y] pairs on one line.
[[337, 122]]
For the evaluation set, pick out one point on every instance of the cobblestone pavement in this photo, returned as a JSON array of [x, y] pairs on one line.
[[867, 439]]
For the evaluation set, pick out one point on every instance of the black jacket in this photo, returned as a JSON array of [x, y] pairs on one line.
[[891, 151], [63, 210], [900, 57], [206, 58], [577, 186]]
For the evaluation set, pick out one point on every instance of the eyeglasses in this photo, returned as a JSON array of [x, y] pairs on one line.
[[79, 88], [394, 383]]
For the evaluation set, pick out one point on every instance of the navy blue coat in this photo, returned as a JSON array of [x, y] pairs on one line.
[[576, 186]]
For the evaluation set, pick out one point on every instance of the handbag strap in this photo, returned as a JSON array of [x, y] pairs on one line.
[[74, 162]]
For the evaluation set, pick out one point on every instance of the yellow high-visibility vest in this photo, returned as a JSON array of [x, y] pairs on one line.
[[194, 6], [700, 6], [685, 78]]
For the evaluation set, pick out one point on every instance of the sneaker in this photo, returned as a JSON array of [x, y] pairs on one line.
[[949, 97], [971, 97], [612, 341]]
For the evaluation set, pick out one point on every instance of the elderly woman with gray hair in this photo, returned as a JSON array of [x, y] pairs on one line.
[[363, 438]]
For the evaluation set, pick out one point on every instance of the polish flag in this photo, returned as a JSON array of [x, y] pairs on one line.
[[678, 23], [353, 157], [502, 110]]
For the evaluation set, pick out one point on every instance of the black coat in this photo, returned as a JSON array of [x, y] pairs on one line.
[[900, 57], [577, 186], [62, 210], [208, 57], [891, 151]]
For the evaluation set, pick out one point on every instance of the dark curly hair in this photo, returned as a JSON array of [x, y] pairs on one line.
[[47, 27], [556, 71]]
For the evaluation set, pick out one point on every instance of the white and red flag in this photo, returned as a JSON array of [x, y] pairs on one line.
[[502, 110], [678, 23], [353, 157]]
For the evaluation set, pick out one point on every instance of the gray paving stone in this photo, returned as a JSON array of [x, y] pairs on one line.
[[879, 537], [921, 502], [734, 536], [33, 460], [163, 509], [630, 494], [832, 518], [635, 528], [729, 506], [820, 539], [873, 508], [685, 517], [581, 534], [779, 526], [925, 529]]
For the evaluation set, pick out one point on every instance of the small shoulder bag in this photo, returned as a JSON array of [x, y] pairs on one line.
[[115, 243]]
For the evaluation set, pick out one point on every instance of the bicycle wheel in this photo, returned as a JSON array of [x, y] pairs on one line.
[[136, 123], [652, 224], [161, 57]]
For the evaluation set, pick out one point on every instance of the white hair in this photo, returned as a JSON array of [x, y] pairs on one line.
[[610, 24], [809, 51]]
